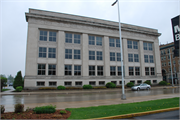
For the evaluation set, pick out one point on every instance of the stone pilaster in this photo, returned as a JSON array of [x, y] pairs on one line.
[[141, 58], [106, 57], [85, 55]]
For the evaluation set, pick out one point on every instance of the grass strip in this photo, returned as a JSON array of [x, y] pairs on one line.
[[5, 90], [120, 109]]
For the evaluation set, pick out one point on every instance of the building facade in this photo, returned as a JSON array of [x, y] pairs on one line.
[[166, 52], [71, 50]]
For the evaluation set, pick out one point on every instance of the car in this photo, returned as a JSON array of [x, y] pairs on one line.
[[142, 86], [10, 84]]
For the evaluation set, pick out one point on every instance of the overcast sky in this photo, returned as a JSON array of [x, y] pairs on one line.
[[155, 14]]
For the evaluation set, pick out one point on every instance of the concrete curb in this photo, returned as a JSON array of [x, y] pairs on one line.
[[137, 114]]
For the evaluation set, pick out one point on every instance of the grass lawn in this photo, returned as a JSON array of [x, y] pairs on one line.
[[5, 90], [120, 109]]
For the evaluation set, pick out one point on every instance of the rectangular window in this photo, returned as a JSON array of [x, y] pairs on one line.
[[139, 81], [77, 54], [130, 57], [111, 42], [100, 70], [101, 83], [68, 70], [92, 83], [118, 56], [150, 46], [119, 71], [164, 64], [152, 71], [131, 71], [164, 57], [118, 43], [42, 52], [68, 38], [43, 35], [77, 39], [52, 53], [67, 83], [41, 69], [146, 58], [164, 52], [136, 58], [147, 70], [40, 83], [112, 70], [161, 58], [52, 36], [91, 40], [115, 82], [99, 41], [52, 70], [52, 83], [68, 53], [135, 44], [91, 70], [154, 81], [151, 60], [78, 83], [137, 71], [112, 56], [132, 81], [145, 46], [129, 44], [77, 70], [91, 55], [99, 55]]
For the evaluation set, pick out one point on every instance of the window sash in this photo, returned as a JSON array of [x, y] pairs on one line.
[[43, 35], [41, 69], [91, 40], [99, 41], [52, 70], [91, 55], [137, 71], [118, 56], [52, 53], [135, 44], [52, 36], [68, 53], [146, 70], [111, 42], [100, 70], [68, 38], [42, 52], [129, 43], [77, 54], [136, 58], [112, 70], [77, 70], [77, 39], [146, 58], [91, 70], [145, 46], [130, 57], [131, 71], [112, 56], [99, 55], [68, 70]]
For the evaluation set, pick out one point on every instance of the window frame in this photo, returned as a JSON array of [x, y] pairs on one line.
[[136, 58], [52, 53], [53, 70], [68, 71], [41, 51], [112, 70], [147, 71], [41, 69], [92, 70], [112, 56], [130, 57], [100, 71], [77, 70], [99, 55], [68, 53], [77, 54], [131, 71], [91, 55]]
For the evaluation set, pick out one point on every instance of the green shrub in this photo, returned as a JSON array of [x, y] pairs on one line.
[[19, 89], [110, 85], [162, 83], [18, 108], [47, 88], [87, 87], [130, 84], [45, 109], [61, 87], [148, 82], [2, 109], [18, 80], [63, 112]]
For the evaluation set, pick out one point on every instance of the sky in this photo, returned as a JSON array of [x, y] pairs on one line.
[[155, 14]]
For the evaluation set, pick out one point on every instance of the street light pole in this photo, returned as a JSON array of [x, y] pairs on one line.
[[123, 96]]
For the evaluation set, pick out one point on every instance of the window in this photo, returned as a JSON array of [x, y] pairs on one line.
[[91, 40], [91, 70], [77, 39], [42, 52], [137, 71], [91, 55], [111, 42], [52, 83], [151, 59], [150, 46], [77, 70], [112, 56], [115, 82], [67, 83], [146, 58], [169, 63], [154, 81], [169, 69], [68, 69], [164, 52], [174, 62], [78, 83], [162, 64], [119, 71], [43, 35], [40, 83], [118, 56], [130, 57], [136, 58], [68, 54], [168, 56], [68, 38], [132, 81], [145, 46], [146, 70], [99, 41], [129, 44], [112, 70], [164, 57], [101, 83], [99, 55], [152, 71], [77, 54], [52, 53], [52, 36], [92, 82], [100, 70], [139, 81], [41, 69], [131, 71], [118, 43], [161, 52], [52, 70], [135, 44]]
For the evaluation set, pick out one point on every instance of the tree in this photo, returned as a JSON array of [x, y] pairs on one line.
[[3, 82], [11, 78], [18, 81]]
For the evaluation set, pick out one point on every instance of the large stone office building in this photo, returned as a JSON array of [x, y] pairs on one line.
[[71, 50]]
